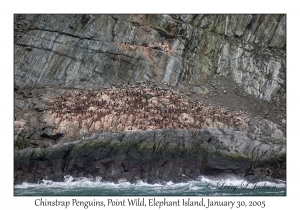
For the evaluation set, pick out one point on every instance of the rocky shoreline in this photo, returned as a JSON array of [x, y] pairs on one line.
[[149, 97], [155, 157]]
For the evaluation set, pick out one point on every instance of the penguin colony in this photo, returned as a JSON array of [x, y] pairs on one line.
[[137, 107]]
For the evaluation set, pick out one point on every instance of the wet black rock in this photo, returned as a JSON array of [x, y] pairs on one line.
[[154, 156]]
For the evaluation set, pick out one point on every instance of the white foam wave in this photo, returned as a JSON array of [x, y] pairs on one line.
[[203, 183], [240, 182]]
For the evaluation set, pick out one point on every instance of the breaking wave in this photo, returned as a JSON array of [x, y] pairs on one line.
[[204, 185]]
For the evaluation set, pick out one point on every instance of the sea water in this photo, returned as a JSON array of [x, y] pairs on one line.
[[227, 185]]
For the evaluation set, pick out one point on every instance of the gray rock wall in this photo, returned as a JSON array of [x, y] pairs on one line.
[[154, 156], [207, 57], [89, 51]]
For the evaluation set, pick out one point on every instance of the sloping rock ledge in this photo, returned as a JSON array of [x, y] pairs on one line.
[[155, 156]]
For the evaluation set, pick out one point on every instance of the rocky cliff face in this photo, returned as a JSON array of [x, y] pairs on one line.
[[88, 51], [155, 156], [76, 75]]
